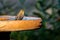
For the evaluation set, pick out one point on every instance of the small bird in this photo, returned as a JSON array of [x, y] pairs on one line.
[[20, 15]]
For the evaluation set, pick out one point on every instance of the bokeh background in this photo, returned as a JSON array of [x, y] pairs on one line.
[[48, 10]]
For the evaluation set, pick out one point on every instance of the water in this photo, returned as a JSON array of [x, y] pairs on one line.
[[24, 18]]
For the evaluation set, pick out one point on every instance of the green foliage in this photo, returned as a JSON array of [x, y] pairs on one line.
[[22, 1], [53, 34], [6, 7]]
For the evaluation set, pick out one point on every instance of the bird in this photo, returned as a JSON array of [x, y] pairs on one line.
[[20, 15]]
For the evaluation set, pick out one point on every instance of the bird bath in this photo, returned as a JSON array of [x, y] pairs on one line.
[[9, 24]]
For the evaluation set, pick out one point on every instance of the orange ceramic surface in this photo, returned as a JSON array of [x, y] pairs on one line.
[[17, 25]]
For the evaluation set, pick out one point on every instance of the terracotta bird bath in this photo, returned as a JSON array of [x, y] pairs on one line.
[[9, 24]]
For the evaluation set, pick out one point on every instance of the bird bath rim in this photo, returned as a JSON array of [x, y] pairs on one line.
[[17, 25]]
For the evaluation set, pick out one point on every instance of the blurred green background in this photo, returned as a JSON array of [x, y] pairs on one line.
[[48, 10]]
